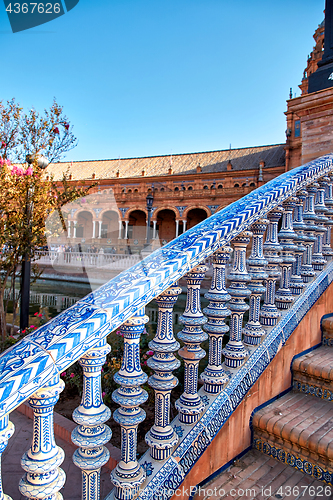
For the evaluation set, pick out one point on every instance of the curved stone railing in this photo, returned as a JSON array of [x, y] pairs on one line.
[[106, 261], [296, 255]]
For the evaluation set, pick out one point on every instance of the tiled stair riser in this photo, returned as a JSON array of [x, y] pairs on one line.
[[313, 389], [297, 428], [294, 460]]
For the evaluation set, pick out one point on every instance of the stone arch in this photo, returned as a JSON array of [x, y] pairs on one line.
[[133, 209], [154, 217], [108, 209], [166, 223], [84, 224], [188, 209], [137, 223], [110, 224], [81, 209], [195, 216]]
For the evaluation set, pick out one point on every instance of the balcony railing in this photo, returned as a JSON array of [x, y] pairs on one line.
[[107, 261], [289, 268]]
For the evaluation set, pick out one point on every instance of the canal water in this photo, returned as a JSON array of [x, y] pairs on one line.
[[57, 296]]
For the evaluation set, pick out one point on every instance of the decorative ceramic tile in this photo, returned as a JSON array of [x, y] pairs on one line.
[[33, 362], [309, 468]]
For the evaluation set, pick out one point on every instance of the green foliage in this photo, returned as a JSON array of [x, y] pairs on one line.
[[28, 143]]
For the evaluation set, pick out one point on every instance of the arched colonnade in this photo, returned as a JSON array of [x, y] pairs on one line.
[[166, 223]]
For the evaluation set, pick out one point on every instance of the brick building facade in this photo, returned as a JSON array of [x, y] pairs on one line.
[[186, 189]]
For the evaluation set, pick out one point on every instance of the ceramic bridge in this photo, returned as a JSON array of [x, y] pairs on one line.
[[288, 223]]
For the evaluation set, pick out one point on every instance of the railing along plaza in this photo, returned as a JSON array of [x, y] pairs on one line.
[[86, 259], [289, 268]]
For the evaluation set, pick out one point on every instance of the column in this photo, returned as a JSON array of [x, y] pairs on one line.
[[234, 352], [253, 331], [327, 249], [126, 229], [189, 404], [92, 434], [214, 376], [310, 219], [120, 228], [184, 226], [318, 260], [75, 226], [284, 297], [162, 438], [94, 229], [43, 478], [269, 313], [154, 229], [177, 228], [128, 474], [6, 431], [69, 229], [297, 284], [99, 229]]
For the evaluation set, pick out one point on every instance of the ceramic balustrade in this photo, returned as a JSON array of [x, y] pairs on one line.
[[310, 219], [253, 330], [235, 352], [287, 236], [6, 431], [92, 434], [269, 313], [214, 377], [296, 281], [327, 249], [43, 478], [318, 260], [190, 405], [162, 438], [128, 475], [80, 333]]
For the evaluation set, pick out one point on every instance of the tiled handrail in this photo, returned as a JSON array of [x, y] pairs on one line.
[[33, 365]]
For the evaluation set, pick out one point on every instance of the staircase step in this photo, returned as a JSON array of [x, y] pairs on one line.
[[327, 329], [257, 476], [298, 428], [313, 373]]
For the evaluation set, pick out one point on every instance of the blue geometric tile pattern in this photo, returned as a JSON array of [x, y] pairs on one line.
[[35, 360], [309, 468], [202, 433]]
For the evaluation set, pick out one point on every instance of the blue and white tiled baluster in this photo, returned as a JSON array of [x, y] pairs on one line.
[[234, 352], [318, 260], [284, 297], [6, 431], [162, 438], [310, 219], [128, 474], [253, 331], [189, 404], [296, 281], [327, 249], [269, 313], [214, 377], [43, 478], [91, 433]]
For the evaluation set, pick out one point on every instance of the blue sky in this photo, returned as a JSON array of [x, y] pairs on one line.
[[150, 77]]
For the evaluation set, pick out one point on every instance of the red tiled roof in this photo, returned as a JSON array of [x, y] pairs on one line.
[[213, 161]]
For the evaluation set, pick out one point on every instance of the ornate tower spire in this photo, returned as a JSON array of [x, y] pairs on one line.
[[322, 78]]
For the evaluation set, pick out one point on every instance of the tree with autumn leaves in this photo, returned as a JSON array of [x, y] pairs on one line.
[[27, 196]]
